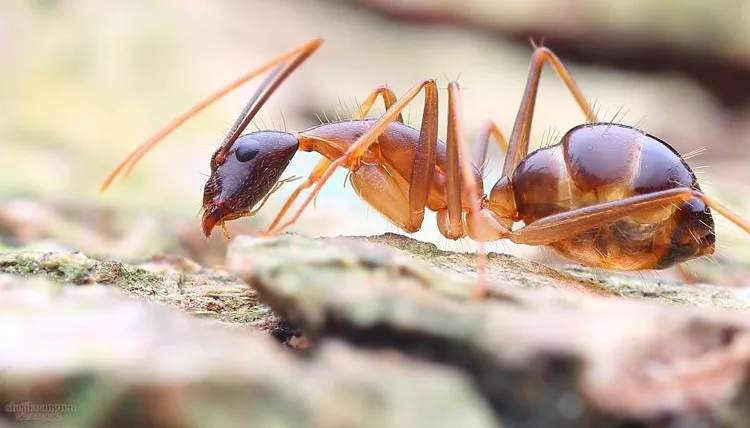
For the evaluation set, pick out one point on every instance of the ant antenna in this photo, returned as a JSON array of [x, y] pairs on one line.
[[266, 89]]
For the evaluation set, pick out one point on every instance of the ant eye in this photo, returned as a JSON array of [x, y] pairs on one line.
[[247, 150]]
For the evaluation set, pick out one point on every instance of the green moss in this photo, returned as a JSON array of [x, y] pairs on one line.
[[138, 279], [19, 269], [73, 272], [73, 268], [76, 268], [252, 313], [673, 293], [206, 293], [19, 264], [420, 249]]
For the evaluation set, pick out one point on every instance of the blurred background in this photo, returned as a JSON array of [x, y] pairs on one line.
[[83, 82]]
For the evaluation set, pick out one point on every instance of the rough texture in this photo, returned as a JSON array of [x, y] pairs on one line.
[[116, 75], [510, 270], [114, 361], [384, 329], [672, 292], [172, 280], [128, 235], [514, 271], [540, 357]]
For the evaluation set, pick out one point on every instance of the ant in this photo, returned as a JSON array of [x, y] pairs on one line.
[[607, 195]]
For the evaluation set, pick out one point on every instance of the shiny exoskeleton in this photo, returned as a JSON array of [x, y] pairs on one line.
[[593, 163], [607, 195], [603, 162]]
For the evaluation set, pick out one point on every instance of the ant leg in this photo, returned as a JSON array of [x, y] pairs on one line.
[[519, 139], [564, 225], [256, 210], [253, 212], [389, 98], [728, 214], [315, 175], [424, 161], [685, 274], [300, 52], [488, 130], [460, 172]]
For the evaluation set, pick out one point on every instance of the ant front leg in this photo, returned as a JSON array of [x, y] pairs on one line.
[[389, 98], [424, 160], [317, 172]]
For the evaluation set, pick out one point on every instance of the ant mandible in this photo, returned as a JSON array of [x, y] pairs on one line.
[[607, 195]]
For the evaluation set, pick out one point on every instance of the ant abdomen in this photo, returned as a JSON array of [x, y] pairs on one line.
[[601, 162]]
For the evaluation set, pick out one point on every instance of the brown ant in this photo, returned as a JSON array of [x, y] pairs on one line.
[[607, 195]]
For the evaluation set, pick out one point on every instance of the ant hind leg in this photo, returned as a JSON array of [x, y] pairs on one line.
[[570, 223], [518, 146]]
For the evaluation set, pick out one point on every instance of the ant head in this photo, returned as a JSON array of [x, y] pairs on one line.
[[244, 175]]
